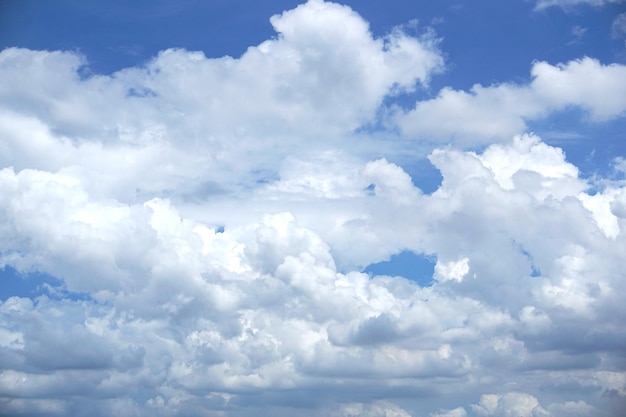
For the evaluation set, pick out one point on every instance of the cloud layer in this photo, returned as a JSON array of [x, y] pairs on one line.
[[209, 220]]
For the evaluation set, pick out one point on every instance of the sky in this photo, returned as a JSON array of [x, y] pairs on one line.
[[254, 208]]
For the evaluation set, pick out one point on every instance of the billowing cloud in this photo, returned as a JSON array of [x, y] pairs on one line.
[[182, 310], [490, 113], [178, 118], [511, 404], [209, 223]]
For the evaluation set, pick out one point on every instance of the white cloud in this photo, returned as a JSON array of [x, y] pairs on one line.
[[209, 221], [498, 112], [457, 412], [573, 408], [618, 27], [377, 409], [452, 271], [237, 298], [519, 404], [544, 4], [509, 405], [175, 120]]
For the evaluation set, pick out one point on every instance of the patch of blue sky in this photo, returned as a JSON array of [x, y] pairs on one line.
[[534, 270], [477, 56], [34, 284], [416, 267], [117, 35], [141, 92], [424, 174]]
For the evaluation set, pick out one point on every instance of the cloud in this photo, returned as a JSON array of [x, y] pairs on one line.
[[187, 309], [618, 27], [379, 409], [457, 412], [492, 113], [511, 404], [452, 271], [315, 83], [544, 4], [210, 219]]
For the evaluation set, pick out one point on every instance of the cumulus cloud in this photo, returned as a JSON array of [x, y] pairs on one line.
[[209, 226], [317, 81], [511, 404], [379, 409], [491, 113], [182, 309], [457, 412]]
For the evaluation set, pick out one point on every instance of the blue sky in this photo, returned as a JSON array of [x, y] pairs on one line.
[[292, 208]]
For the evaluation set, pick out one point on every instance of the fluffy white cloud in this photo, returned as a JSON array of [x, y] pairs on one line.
[[378, 409], [518, 404], [452, 271], [492, 113], [509, 405], [209, 223], [457, 412], [182, 309]]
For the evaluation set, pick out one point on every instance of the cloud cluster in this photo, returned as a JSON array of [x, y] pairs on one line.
[[492, 113], [185, 117], [210, 219]]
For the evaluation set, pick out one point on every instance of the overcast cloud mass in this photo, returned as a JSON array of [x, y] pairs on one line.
[[198, 229]]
